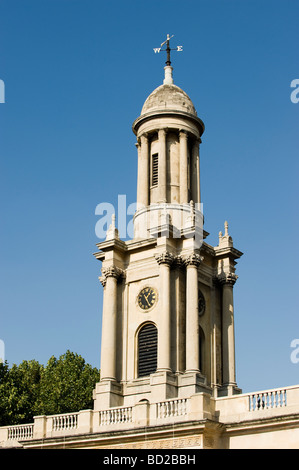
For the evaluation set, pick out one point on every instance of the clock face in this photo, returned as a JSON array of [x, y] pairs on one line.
[[147, 298]]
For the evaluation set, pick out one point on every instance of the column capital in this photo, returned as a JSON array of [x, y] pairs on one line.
[[226, 279], [165, 258], [178, 262], [163, 131], [144, 136], [193, 260], [183, 133], [196, 141], [111, 271]]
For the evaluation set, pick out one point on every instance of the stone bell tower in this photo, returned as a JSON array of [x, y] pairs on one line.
[[168, 315]]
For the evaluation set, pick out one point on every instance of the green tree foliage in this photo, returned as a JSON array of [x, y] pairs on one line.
[[19, 389], [63, 385]]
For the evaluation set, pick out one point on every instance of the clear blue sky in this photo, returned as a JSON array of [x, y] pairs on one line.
[[76, 75]]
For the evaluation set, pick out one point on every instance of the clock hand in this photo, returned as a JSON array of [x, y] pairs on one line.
[[146, 297]]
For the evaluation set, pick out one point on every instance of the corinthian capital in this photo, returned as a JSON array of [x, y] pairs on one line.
[[193, 260], [165, 258], [111, 271], [227, 278]]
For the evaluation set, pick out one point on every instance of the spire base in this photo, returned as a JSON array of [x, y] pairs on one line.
[[168, 80]]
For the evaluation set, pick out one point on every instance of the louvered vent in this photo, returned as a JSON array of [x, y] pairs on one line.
[[155, 169], [147, 350]]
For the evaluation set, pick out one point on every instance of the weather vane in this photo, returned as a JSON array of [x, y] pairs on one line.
[[168, 49]]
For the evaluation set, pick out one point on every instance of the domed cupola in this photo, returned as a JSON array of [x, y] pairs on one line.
[[168, 133]]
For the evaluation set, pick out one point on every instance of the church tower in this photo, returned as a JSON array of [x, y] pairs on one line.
[[168, 314]]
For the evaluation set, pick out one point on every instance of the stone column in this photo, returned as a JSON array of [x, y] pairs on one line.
[[195, 172], [183, 167], [143, 172], [164, 333], [162, 166], [109, 323], [192, 323], [228, 335]]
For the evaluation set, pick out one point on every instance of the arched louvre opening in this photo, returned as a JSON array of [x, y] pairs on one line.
[[147, 350]]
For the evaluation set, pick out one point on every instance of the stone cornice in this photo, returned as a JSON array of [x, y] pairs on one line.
[[227, 251], [121, 246], [167, 113]]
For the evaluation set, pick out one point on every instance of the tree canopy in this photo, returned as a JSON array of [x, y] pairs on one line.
[[64, 385]]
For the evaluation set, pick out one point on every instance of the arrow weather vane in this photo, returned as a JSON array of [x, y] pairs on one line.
[[168, 49]]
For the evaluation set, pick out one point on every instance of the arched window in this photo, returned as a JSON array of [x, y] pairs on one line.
[[147, 350]]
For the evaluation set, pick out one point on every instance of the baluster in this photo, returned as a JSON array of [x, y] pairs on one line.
[[280, 398], [258, 401], [185, 406], [264, 398], [275, 399], [284, 398]]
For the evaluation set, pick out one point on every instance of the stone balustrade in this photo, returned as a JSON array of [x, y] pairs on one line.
[[115, 416], [268, 399], [172, 408], [20, 432], [65, 422], [229, 409]]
